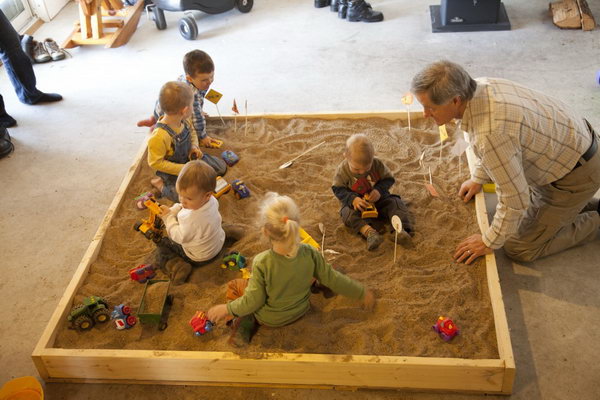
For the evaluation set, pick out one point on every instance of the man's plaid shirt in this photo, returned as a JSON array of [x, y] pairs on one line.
[[521, 138]]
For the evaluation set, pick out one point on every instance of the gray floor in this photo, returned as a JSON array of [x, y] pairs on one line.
[[285, 56]]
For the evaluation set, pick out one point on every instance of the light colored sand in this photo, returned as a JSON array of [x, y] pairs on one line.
[[423, 283]]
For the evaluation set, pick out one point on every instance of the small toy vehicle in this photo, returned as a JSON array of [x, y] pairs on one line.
[[230, 157], [215, 144], [155, 307], [239, 189], [153, 227], [139, 201], [370, 212], [234, 261], [187, 25], [200, 323], [306, 238], [142, 273], [84, 316], [122, 317], [446, 328], [222, 187]]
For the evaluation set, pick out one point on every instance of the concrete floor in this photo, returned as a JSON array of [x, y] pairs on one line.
[[285, 56]]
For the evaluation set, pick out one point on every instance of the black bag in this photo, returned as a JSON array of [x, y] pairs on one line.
[[6, 146]]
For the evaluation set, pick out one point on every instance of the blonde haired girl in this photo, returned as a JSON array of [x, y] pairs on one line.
[[278, 291]]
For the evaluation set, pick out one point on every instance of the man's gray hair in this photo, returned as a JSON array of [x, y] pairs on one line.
[[442, 81]]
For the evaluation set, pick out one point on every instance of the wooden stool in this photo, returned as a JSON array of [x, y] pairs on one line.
[[95, 16]]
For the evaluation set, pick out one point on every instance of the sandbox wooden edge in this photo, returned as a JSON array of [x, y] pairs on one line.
[[274, 369]]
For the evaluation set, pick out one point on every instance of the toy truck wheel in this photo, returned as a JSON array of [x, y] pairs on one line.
[[83, 323], [137, 225], [126, 310], [101, 315], [159, 18], [131, 320], [244, 5], [188, 27]]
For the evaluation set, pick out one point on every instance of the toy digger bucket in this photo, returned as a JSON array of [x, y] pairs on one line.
[[25, 388]]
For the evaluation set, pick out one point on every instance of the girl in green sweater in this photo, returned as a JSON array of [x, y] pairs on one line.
[[278, 291]]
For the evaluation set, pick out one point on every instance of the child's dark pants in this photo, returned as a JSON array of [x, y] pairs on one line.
[[387, 207]]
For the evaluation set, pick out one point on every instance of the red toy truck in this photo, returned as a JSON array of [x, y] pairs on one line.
[[200, 323], [142, 273], [446, 328]]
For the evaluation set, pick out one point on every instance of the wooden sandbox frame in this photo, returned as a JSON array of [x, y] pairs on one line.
[[326, 371]]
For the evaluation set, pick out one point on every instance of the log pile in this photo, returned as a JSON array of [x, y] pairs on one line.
[[572, 14]]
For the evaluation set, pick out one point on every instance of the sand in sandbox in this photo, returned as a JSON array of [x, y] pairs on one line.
[[412, 293]]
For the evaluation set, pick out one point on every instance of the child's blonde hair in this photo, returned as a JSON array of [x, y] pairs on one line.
[[174, 97], [360, 149], [197, 174], [281, 221]]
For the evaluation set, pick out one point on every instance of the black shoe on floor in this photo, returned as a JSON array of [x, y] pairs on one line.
[[342, 8], [27, 46], [335, 5], [47, 98], [359, 10], [6, 146], [6, 121], [322, 3]]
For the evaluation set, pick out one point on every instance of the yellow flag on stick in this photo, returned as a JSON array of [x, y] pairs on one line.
[[443, 133], [213, 96], [407, 99]]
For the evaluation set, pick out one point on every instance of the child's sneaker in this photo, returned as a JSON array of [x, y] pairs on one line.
[[374, 239], [243, 330]]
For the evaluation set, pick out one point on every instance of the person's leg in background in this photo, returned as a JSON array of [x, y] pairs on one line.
[[19, 70]]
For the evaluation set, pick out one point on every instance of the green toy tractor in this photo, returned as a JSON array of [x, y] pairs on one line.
[[84, 316]]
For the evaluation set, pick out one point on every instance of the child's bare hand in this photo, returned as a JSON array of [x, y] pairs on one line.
[[369, 301], [217, 313], [196, 153], [164, 210], [360, 204], [373, 196]]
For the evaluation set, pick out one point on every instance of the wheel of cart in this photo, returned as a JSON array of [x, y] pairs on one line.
[[158, 15], [187, 24], [188, 27], [244, 5]]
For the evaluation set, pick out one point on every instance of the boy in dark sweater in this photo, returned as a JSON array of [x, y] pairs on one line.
[[362, 180]]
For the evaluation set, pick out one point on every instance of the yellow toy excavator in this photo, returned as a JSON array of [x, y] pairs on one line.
[[153, 227]]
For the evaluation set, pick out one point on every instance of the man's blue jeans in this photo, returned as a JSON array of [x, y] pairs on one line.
[[17, 65]]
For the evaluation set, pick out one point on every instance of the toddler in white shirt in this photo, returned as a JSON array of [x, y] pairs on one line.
[[194, 226]]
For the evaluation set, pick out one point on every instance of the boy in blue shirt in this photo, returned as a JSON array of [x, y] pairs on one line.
[[199, 74]]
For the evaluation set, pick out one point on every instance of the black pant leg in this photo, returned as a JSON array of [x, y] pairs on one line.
[[391, 205]]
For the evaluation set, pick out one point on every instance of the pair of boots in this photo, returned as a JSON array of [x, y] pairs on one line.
[[354, 10], [6, 146]]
